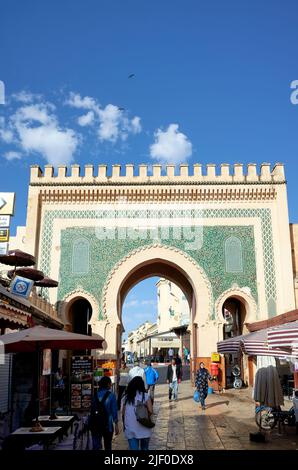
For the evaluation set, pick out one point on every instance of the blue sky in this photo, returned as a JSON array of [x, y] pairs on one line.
[[140, 305], [211, 85]]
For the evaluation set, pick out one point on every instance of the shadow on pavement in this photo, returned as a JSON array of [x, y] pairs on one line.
[[226, 402]]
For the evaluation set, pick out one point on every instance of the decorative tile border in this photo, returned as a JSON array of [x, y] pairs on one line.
[[264, 214]]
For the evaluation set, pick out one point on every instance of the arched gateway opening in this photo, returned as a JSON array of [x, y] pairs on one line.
[[163, 262], [156, 319]]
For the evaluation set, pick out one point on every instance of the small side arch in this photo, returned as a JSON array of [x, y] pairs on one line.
[[243, 296], [69, 299]]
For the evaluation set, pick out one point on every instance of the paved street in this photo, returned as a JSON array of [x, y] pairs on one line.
[[225, 424], [162, 372]]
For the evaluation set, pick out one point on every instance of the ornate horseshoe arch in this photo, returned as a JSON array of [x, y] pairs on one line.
[[182, 262], [241, 294]]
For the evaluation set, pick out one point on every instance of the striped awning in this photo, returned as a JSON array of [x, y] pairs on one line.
[[284, 337], [230, 345], [252, 344]]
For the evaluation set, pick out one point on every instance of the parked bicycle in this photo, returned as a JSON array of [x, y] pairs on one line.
[[81, 440], [267, 418]]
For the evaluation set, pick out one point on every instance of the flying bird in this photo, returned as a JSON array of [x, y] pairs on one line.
[[131, 75], [121, 109]]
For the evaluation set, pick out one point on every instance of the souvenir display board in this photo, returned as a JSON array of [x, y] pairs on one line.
[[81, 387]]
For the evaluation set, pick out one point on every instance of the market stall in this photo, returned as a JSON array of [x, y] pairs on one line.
[[102, 368]]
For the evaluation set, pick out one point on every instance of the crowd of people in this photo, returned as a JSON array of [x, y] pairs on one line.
[[135, 400]]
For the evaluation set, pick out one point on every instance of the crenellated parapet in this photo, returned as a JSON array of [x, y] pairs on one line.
[[156, 174]]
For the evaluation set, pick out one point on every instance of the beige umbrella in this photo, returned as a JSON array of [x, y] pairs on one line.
[[37, 338]]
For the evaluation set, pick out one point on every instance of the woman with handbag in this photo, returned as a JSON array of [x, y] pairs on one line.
[[201, 383], [136, 411]]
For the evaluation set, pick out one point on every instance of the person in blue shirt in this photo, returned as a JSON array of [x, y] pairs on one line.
[[106, 428], [151, 379]]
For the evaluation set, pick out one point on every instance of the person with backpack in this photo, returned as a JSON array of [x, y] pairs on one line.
[[104, 415], [151, 379], [137, 428]]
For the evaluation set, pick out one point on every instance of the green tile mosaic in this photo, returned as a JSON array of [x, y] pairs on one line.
[[104, 254]]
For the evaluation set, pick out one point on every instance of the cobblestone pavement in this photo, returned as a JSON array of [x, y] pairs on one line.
[[225, 424]]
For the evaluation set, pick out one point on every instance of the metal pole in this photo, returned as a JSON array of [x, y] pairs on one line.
[[38, 383]]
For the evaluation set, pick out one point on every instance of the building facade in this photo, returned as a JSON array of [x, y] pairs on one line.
[[172, 306], [220, 236]]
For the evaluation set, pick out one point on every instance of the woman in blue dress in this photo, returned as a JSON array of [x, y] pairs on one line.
[[202, 378]]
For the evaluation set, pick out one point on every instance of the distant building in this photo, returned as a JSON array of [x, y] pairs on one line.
[[172, 314]]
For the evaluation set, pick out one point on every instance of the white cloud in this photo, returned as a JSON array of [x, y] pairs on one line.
[[40, 112], [24, 96], [170, 146], [148, 302], [12, 155], [111, 123], [56, 145], [138, 303], [76, 101], [6, 135], [136, 125], [131, 303], [35, 128], [110, 118], [86, 119]]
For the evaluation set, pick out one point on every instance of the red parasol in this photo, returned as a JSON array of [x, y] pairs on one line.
[[17, 258], [28, 273], [46, 282]]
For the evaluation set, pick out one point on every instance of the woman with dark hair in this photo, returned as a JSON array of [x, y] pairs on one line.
[[202, 378], [138, 436], [104, 415]]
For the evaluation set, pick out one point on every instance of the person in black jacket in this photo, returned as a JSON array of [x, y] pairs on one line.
[[173, 378]]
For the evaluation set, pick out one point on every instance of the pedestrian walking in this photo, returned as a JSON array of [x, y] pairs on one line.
[[104, 415], [151, 379], [185, 354], [137, 371], [188, 358], [201, 383], [178, 360], [171, 354], [137, 434], [173, 378], [123, 381]]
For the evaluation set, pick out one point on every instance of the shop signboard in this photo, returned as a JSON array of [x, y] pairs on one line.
[[7, 201], [21, 286], [3, 248], [4, 235], [81, 382], [4, 221]]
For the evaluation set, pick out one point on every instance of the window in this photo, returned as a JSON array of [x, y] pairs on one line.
[[80, 256], [233, 255]]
